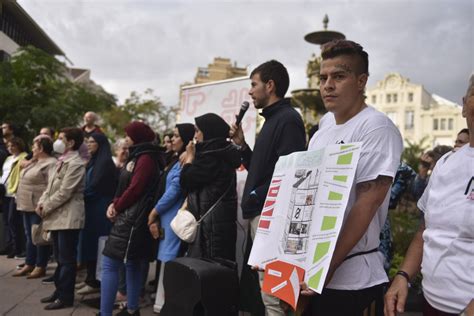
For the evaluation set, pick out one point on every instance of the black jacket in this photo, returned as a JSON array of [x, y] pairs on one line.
[[282, 133], [130, 237], [206, 180]]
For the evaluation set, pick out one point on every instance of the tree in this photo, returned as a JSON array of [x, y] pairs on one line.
[[413, 151], [36, 91], [143, 107]]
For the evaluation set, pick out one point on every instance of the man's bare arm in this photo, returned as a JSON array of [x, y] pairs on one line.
[[369, 196]]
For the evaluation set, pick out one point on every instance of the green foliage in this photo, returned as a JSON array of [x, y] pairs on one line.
[[412, 153], [144, 107], [404, 225], [36, 91]]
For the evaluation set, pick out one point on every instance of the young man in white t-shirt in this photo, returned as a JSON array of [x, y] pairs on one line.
[[443, 247], [356, 276]]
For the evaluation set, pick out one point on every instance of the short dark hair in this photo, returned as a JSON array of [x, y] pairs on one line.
[[274, 70], [18, 142], [76, 134], [50, 129], [340, 47], [45, 143], [13, 127], [439, 151], [464, 130]]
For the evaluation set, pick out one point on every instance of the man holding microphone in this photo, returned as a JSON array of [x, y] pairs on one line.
[[282, 133]]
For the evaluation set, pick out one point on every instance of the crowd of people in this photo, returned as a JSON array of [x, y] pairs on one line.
[[73, 187]]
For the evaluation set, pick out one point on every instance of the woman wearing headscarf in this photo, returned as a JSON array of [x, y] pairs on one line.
[[101, 182], [208, 174], [169, 203], [62, 209], [33, 181], [129, 240]]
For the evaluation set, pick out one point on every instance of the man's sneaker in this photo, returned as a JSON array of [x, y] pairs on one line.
[[20, 256], [49, 280], [20, 266], [88, 290], [125, 312]]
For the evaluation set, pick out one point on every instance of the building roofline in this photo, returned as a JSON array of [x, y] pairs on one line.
[[40, 36]]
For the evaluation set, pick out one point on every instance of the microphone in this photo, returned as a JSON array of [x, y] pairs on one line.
[[243, 108]]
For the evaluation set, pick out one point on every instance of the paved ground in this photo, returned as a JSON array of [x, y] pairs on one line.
[[20, 297]]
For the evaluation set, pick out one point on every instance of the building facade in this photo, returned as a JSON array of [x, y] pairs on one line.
[[416, 112], [220, 69]]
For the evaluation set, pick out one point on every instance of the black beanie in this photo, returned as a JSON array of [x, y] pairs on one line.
[[186, 132], [212, 126]]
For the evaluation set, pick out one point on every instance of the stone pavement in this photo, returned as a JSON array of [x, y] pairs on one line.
[[21, 297]]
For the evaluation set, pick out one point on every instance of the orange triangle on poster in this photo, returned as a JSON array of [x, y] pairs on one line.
[[282, 280]]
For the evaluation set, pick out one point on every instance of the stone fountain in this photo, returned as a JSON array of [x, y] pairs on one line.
[[309, 99]]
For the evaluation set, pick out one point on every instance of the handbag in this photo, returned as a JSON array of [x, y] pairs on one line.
[[39, 236], [185, 225]]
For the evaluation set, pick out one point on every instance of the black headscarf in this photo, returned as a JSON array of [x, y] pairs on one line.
[[186, 132], [212, 126], [104, 173]]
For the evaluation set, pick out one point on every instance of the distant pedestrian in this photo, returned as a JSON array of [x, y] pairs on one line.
[[62, 209], [33, 182]]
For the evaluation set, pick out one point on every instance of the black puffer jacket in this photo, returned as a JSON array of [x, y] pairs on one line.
[[130, 237], [211, 174]]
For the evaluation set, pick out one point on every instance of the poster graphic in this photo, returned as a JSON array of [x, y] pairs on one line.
[[302, 216]]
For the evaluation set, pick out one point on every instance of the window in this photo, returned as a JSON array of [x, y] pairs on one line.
[[389, 98], [409, 119], [450, 124], [443, 124], [393, 117], [410, 97], [374, 99], [435, 124], [395, 97]]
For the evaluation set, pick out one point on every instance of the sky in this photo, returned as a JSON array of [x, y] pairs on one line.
[[138, 44]]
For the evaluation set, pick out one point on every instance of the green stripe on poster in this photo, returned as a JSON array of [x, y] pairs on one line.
[[344, 159], [329, 222], [346, 146], [322, 249], [334, 196], [314, 280], [340, 178]]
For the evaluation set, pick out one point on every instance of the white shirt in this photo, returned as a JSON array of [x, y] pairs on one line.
[[448, 239], [6, 169], [382, 146]]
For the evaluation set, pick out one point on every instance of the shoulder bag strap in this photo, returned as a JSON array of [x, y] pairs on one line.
[[217, 202]]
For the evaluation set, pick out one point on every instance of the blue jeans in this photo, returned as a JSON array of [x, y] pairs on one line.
[[109, 283], [65, 246], [35, 255], [122, 283]]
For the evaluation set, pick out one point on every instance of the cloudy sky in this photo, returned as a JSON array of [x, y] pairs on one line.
[[138, 44]]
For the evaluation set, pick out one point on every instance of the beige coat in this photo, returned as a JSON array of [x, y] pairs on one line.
[[33, 181], [63, 199]]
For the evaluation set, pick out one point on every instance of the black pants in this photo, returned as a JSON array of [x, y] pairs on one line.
[[65, 251], [345, 302], [13, 225]]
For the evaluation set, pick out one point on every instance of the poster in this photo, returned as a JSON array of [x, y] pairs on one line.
[[302, 217]]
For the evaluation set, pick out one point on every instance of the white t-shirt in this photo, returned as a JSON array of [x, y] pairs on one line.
[[448, 248], [6, 169], [380, 156]]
